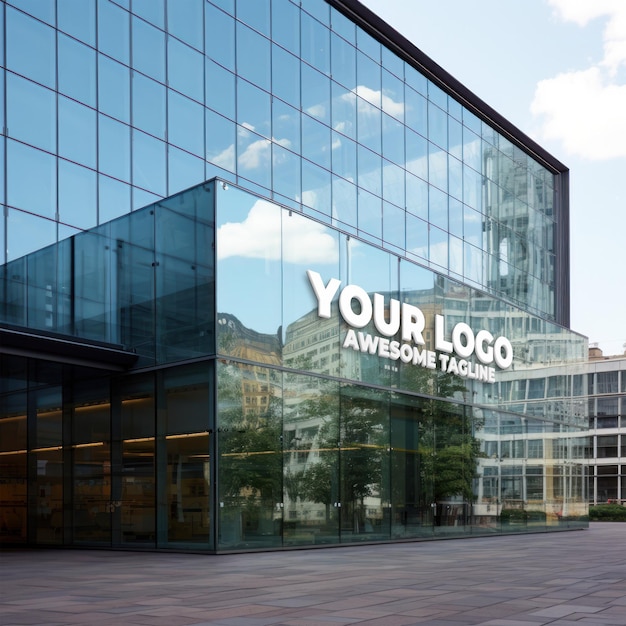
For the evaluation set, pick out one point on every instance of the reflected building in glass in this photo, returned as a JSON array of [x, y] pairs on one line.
[[281, 281]]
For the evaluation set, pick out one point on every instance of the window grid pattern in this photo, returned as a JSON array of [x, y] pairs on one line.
[[116, 104]]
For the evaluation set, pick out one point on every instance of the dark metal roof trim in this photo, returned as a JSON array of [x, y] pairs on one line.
[[16, 340], [400, 45]]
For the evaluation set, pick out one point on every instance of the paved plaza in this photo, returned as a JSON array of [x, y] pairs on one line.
[[568, 578]]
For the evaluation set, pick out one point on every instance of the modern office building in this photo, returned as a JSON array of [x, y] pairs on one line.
[[607, 427], [273, 278]]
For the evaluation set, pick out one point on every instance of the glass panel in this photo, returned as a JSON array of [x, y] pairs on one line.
[[410, 474], [138, 493], [315, 142], [91, 463], [250, 456], [343, 62], [248, 243], [369, 121], [416, 112], [311, 467], [253, 57], [416, 196], [152, 11], [286, 173], [31, 48], [13, 446], [48, 457], [369, 79], [342, 25], [393, 95], [364, 464], [344, 209], [254, 108], [187, 446], [344, 111], [220, 90], [185, 276], [113, 31], [607, 382], [416, 155], [24, 163], [148, 49], [77, 70], [367, 44], [77, 132], [308, 245], [437, 126], [286, 25], [149, 157], [219, 33], [370, 171], [316, 188], [315, 88], [256, 13], [114, 148], [113, 199], [31, 113], [77, 19], [315, 46], [393, 140], [437, 167], [185, 119], [344, 157], [254, 159], [183, 169], [185, 69], [370, 215], [113, 89], [220, 141], [471, 150], [149, 106], [318, 10], [286, 126], [77, 195], [394, 225], [186, 20]]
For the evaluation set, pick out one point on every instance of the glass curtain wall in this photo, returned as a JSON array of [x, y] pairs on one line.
[[402, 451], [113, 106], [292, 437]]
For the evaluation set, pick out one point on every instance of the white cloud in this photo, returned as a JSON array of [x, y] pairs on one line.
[[317, 110], [584, 112], [614, 11], [226, 158], [259, 237], [584, 109], [255, 154], [378, 99]]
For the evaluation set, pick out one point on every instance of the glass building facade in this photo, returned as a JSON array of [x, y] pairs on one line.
[[327, 321]]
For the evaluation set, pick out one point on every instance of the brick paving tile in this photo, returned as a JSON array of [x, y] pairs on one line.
[[520, 580]]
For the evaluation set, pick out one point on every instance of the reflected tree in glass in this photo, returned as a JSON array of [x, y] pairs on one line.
[[311, 459], [250, 451], [352, 455], [448, 449]]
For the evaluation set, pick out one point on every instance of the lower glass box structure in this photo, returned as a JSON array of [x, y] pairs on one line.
[[218, 372]]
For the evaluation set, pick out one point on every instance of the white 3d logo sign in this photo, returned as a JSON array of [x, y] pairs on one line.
[[409, 321]]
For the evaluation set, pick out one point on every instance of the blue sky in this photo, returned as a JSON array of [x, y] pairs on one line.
[[557, 70]]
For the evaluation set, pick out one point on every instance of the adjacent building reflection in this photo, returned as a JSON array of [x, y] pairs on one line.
[[246, 424]]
